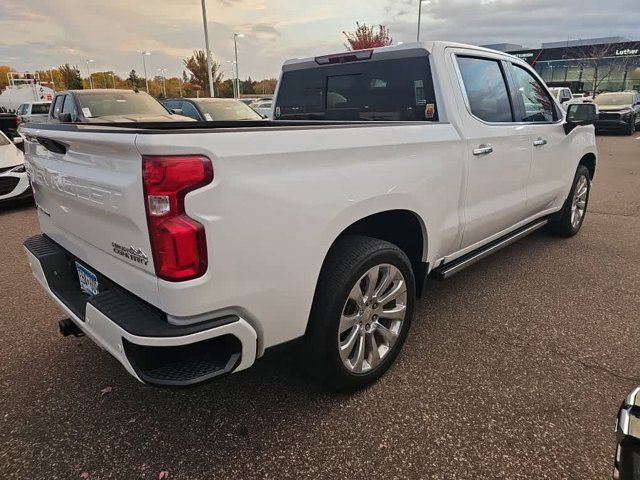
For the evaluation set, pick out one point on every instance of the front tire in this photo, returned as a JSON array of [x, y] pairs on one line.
[[631, 128], [571, 218], [361, 314]]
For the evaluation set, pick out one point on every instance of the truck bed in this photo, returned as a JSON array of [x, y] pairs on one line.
[[200, 127]]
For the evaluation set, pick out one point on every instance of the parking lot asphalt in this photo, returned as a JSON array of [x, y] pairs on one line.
[[513, 369]]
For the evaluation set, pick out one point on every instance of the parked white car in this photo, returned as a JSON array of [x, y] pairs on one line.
[[563, 95], [14, 183], [188, 251], [34, 112], [263, 107]]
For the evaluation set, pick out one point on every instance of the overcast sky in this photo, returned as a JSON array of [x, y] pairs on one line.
[[37, 34]]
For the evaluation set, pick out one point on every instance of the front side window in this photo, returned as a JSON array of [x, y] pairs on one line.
[[377, 90], [486, 89], [537, 105], [69, 106], [57, 106]]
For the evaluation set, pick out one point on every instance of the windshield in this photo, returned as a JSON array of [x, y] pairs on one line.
[[39, 108], [614, 99], [227, 110], [119, 103]]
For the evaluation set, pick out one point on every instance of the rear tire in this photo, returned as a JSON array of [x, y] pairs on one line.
[[361, 313], [571, 218]]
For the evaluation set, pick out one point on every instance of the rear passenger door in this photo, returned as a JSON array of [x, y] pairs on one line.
[[552, 154], [498, 149]]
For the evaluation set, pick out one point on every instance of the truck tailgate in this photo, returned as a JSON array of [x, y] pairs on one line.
[[93, 191]]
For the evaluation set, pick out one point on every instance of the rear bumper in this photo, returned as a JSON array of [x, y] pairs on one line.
[[136, 333]]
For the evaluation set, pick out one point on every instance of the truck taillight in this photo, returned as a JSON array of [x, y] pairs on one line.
[[178, 242]]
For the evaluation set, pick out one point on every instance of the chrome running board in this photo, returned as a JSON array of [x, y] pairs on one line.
[[450, 269]]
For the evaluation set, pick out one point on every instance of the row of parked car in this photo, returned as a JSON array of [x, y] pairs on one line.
[[100, 106], [617, 110], [108, 106]]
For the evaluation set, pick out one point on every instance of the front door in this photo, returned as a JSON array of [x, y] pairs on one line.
[[498, 150], [551, 159]]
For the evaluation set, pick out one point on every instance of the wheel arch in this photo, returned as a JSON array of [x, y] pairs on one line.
[[589, 161], [404, 228]]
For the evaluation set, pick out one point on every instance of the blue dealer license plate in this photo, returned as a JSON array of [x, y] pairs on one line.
[[88, 280]]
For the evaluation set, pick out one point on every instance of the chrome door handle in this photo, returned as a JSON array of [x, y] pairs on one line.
[[539, 142], [483, 150]]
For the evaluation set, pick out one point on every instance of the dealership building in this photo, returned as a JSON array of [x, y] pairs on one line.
[[605, 64]]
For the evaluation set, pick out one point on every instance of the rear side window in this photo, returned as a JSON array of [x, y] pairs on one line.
[[379, 90], [486, 89], [4, 141]]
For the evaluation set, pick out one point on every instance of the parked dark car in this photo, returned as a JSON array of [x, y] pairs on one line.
[[107, 106], [9, 124], [212, 109], [618, 111]]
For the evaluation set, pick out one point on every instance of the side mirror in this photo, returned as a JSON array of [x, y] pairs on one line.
[[18, 140], [65, 118], [580, 114], [176, 111]]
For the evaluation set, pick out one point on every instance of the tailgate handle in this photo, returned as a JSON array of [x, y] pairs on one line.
[[52, 145]]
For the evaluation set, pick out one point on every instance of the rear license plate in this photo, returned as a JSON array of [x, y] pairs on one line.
[[88, 280]]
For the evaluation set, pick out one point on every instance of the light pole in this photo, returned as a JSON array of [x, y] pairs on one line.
[[89, 72], [208, 49], [162, 71], [53, 84], [234, 70], [236, 36], [420, 2], [144, 65]]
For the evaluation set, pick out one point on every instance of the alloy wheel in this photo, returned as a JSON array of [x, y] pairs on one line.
[[372, 318], [579, 205]]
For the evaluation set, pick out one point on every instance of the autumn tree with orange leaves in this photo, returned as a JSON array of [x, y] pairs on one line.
[[368, 37]]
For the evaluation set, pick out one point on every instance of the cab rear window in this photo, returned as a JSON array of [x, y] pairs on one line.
[[377, 90], [39, 108]]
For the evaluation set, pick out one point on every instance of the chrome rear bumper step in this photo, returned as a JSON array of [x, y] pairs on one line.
[[450, 269]]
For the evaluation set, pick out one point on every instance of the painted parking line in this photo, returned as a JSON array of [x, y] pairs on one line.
[[637, 138]]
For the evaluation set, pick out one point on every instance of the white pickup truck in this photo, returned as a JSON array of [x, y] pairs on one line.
[[187, 249]]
